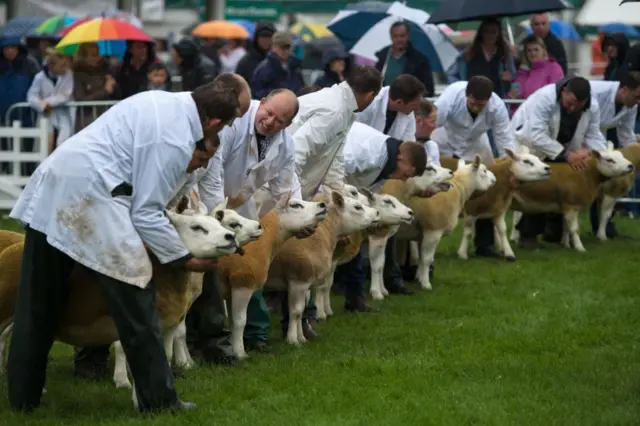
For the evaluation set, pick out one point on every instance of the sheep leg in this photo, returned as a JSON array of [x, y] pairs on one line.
[[430, 240], [606, 209], [3, 345], [120, 374], [497, 242], [327, 291], [415, 252], [376, 259], [467, 234], [182, 356], [573, 226], [515, 234], [240, 297], [500, 228], [323, 304], [297, 291]]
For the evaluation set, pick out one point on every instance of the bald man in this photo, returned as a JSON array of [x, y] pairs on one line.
[[541, 26]]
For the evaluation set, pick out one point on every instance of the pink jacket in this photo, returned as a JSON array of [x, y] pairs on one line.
[[541, 73]]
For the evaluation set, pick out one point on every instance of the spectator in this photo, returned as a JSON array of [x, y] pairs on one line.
[[402, 58], [51, 89], [17, 70], [279, 70], [632, 63], [308, 89], [231, 54], [210, 48], [158, 77], [489, 55], [537, 69], [541, 27], [615, 46], [195, 68], [132, 73], [258, 51], [91, 82], [336, 68]]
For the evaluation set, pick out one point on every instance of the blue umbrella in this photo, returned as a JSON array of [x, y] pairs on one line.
[[20, 27], [476, 10], [248, 25], [562, 30], [619, 27]]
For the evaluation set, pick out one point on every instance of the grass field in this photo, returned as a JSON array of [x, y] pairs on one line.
[[549, 340]]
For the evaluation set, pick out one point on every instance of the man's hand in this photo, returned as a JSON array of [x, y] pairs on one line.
[[235, 202], [46, 108], [427, 193], [584, 152], [200, 265], [305, 232], [577, 161], [344, 240]]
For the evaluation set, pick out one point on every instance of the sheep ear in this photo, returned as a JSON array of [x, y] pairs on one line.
[[182, 204], [368, 194], [337, 199], [326, 192], [476, 162], [524, 149], [610, 146], [172, 216], [219, 215], [221, 206], [511, 154], [283, 202], [597, 154]]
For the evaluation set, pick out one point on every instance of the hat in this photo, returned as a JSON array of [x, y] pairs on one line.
[[282, 38]]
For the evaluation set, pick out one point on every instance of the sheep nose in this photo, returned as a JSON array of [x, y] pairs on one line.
[[547, 168], [322, 205], [229, 237], [377, 213], [410, 212], [630, 167], [259, 227]]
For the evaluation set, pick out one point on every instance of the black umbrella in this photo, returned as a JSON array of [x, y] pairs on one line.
[[476, 10], [629, 1]]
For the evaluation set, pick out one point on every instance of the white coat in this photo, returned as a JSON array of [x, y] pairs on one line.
[[365, 155], [458, 134], [319, 133], [536, 124], [433, 151], [62, 117], [375, 115], [235, 172], [145, 141], [624, 121]]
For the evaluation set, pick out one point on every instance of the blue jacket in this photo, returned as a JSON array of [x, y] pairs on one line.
[[329, 78], [271, 75], [15, 79], [458, 71]]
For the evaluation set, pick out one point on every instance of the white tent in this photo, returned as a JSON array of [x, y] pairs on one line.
[[600, 12]]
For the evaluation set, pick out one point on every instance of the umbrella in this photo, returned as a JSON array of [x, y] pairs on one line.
[[309, 32], [20, 27], [560, 29], [248, 25], [99, 31], [619, 27], [53, 26], [365, 33], [120, 15], [475, 10], [221, 29]]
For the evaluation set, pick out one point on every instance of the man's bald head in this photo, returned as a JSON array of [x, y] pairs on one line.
[[540, 24], [240, 86], [276, 112]]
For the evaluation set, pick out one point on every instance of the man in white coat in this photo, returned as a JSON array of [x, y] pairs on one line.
[[99, 198], [555, 122], [426, 116], [618, 102], [391, 113], [466, 111], [255, 151]]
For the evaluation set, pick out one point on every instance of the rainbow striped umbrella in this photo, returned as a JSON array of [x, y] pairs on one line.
[[54, 25], [100, 30]]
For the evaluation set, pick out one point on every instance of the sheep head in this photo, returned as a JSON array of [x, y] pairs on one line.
[[392, 211], [354, 215], [203, 235], [246, 230], [527, 167], [296, 215], [477, 174], [612, 163], [353, 192], [435, 179]]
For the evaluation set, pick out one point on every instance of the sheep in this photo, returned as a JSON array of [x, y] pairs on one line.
[[241, 276], [569, 191], [245, 230], [85, 319], [435, 179], [303, 264], [438, 215], [616, 188], [495, 202], [392, 213]]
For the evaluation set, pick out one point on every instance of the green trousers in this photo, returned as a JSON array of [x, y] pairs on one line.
[[257, 327]]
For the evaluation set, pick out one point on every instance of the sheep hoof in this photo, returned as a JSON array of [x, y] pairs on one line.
[[377, 296], [426, 286], [602, 237], [44, 391], [463, 256], [302, 340], [329, 314], [510, 258], [385, 292], [122, 384], [292, 341], [321, 317]]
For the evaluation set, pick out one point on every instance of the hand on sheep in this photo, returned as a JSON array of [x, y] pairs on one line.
[[577, 160], [305, 232], [201, 265], [235, 202]]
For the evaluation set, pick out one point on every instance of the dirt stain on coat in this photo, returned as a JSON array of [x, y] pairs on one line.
[[77, 218]]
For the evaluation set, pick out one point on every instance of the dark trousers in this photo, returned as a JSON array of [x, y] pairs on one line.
[[484, 238], [549, 224], [42, 294], [308, 313], [353, 277], [392, 272], [206, 319]]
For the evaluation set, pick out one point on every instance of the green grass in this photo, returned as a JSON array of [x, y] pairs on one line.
[[549, 340]]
